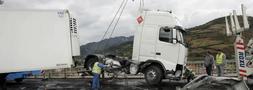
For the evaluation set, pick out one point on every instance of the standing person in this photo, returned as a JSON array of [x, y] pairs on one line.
[[96, 70], [208, 62], [220, 62]]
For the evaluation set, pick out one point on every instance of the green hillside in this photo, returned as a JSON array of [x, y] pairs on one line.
[[211, 36], [123, 50]]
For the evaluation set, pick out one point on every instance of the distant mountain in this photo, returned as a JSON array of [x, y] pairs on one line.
[[209, 36], [102, 47], [123, 50]]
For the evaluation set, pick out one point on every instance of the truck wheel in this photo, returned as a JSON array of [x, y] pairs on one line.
[[19, 80], [153, 75], [2, 84], [3, 81], [90, 63]]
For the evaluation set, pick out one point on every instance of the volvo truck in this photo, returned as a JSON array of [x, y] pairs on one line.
[[159, 49]]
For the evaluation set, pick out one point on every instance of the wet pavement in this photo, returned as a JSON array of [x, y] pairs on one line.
[[83, 84]]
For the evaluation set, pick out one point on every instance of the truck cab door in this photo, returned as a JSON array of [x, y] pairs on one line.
[[167, 48], [147, 42]]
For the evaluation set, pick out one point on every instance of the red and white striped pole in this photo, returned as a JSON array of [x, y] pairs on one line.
[[240, 57]]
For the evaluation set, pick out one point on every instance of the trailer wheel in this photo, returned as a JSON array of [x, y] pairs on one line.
[[153, 75], [90, 63]]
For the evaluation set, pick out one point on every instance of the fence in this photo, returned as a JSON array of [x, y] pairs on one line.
[[61, 73], [196, 66]]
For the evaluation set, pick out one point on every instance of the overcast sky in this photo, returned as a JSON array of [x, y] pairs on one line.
[[94, 16]]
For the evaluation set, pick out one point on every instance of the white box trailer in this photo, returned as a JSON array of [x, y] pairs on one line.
[[37, 40]]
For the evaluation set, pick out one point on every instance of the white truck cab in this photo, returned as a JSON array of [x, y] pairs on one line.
[[159, 50], [159, 41], [160, 37]]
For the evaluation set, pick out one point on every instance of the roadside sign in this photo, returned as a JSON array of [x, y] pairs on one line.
[[240, 57]]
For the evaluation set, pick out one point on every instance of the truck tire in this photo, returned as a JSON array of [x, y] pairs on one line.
[[19, 80], [3, 84], [3, 81], [89, 64], [153, 75]]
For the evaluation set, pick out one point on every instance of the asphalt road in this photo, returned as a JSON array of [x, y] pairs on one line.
[[83, 84]]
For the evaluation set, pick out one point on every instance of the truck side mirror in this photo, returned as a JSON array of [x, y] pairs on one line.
[[174, 36]]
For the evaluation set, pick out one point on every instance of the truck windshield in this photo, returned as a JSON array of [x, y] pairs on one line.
[[180, 37]]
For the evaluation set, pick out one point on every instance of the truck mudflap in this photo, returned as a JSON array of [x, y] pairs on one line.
[[204, 82]]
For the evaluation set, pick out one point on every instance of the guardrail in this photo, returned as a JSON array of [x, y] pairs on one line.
[[196, 66]]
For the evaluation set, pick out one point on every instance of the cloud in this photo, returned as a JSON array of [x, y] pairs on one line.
[[94, 16]]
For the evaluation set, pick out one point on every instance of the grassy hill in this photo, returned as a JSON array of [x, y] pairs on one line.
[[124, 49], [209, 36]]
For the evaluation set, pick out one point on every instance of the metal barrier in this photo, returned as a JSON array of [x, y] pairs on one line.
[[61, 73], [196, 66]]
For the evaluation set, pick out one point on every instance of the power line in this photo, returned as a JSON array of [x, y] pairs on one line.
[[122, 7], [112, 20], [116, 23], [118, 19]]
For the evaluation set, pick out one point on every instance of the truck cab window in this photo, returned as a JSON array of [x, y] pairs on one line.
[[165, 34]]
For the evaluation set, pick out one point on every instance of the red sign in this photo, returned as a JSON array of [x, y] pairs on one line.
[[139, 19]]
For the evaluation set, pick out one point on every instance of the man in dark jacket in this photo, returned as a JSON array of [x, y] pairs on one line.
[[208, 63]]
